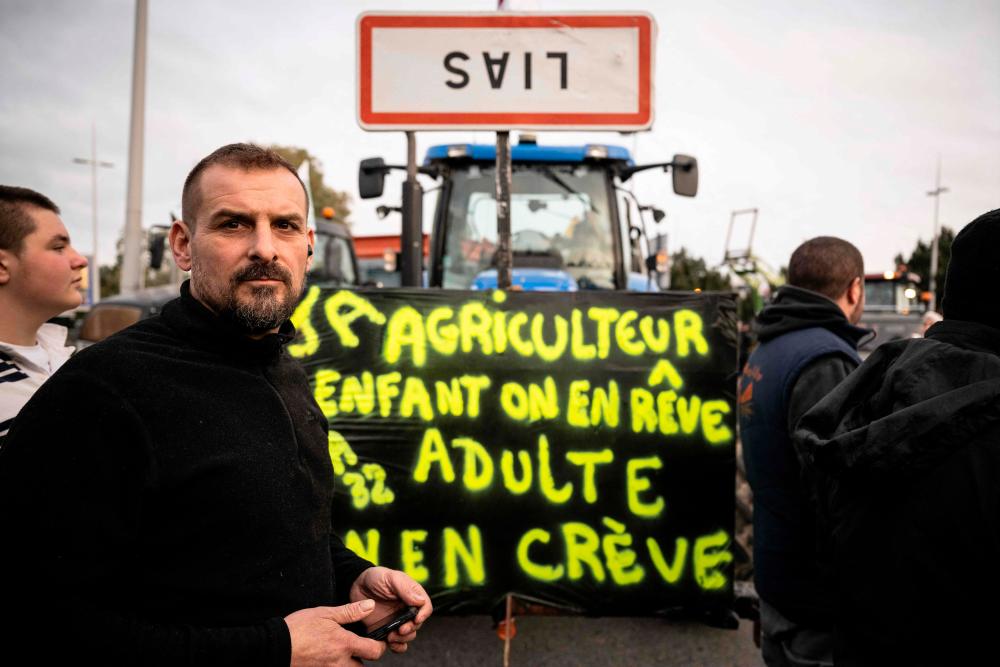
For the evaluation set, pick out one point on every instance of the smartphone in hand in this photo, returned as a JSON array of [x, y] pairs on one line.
[[391, 621]]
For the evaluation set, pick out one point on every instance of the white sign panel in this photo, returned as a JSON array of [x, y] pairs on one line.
[[505, 71]]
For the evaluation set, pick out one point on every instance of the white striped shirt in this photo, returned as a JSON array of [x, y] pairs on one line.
[[22, 374]]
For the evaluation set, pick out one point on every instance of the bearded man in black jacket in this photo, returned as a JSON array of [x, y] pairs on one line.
[[167, 496], [910, 446], [808, 344]]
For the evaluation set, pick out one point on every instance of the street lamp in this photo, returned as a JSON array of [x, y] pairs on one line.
[[936, 193], [94, 164]]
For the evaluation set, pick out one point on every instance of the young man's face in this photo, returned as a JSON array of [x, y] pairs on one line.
[[47, 274], [247, 249]]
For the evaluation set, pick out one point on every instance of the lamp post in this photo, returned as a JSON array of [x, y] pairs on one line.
[[132, 251], [94, 164], [936, 193]]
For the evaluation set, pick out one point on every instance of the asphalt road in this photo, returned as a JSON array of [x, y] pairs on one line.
[[560, 641]]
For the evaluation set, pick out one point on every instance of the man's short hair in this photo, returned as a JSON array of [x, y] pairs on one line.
[[237, 156], [826, 265], [16, 222]]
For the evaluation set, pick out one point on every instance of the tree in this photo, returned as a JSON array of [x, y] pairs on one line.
[[111, 278], [689, 273], [322, 194], [919, 261]]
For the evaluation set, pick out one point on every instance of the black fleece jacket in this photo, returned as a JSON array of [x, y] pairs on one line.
[[909, 447], [167, 500]]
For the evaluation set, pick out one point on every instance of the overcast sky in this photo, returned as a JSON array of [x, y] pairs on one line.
[[827, 116]]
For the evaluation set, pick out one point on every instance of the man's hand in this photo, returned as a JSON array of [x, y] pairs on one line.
[[318, 638], [392, 589]]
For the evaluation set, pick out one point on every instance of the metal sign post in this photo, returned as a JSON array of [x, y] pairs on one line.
[[508, 628], [411, 240], [503, 182]]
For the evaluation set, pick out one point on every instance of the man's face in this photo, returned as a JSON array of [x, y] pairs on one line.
[[247, 249], [46, 276]]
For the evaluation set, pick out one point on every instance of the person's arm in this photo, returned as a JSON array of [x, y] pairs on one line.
[[347, 567], [74, 473], [816, 381]]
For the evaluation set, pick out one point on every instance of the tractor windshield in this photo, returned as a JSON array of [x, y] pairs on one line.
[[559, 221]]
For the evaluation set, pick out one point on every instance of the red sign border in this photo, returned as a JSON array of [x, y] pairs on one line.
[[371, 120]]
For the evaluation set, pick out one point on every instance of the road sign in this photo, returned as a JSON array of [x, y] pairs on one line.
[[505, 71]]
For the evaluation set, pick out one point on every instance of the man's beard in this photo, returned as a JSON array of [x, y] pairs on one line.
[[263, 310]]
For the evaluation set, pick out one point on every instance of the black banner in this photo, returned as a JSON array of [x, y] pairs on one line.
[[576, 449]]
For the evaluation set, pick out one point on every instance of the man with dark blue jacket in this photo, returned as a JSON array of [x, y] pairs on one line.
[[808, 344]]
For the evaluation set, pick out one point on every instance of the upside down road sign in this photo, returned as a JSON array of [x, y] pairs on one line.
[[505, 71]]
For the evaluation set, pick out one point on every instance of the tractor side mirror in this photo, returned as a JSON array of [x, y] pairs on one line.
[[685, 172], [157, 245], [371, 177]]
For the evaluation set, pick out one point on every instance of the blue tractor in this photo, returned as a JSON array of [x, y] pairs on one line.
[[573, 226]]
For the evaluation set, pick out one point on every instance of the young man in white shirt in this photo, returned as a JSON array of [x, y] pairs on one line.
[[40, 277]]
